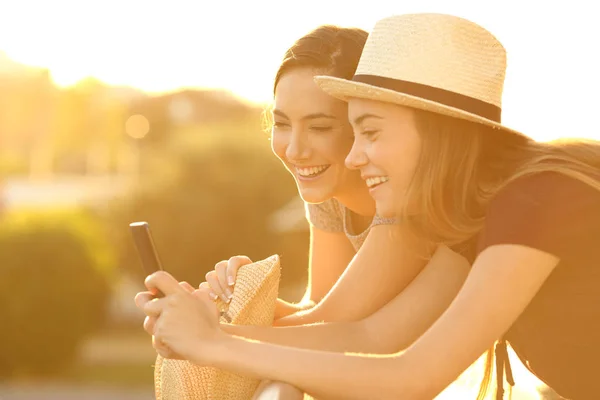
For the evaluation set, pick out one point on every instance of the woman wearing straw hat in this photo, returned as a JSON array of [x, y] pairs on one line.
[[425, 106]]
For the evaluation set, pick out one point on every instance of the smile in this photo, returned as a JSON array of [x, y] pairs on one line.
[[376, 181], [311, 172]]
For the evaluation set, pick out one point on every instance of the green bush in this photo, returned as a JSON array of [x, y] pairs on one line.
[[55, 275]]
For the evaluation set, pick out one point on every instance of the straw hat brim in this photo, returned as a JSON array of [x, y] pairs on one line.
[[344, 89]]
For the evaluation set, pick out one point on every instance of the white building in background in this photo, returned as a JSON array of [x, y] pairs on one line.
[[61, 191]]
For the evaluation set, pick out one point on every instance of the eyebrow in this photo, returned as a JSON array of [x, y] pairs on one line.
[[361, 119], [306, 117]]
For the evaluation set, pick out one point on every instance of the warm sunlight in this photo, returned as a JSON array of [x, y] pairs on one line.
[[158, 48], [118, 111]]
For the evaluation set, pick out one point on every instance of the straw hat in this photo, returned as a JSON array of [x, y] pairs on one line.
[[434, 62], [253, 303]]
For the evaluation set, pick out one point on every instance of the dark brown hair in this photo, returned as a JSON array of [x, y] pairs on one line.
[[330, 49]]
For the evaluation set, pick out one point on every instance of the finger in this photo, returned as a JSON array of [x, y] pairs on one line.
[[142, 298], [149, 323], [202, 295], [154, 307], [186, 286], [213, 282], [233, 265], [164, 282], [205, 287], [221, 270]]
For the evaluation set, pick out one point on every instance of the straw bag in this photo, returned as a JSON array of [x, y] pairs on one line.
[[253, 303]]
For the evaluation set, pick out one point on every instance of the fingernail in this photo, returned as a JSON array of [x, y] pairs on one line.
[[224, 298], [213, 296], [230, 280], [228, 293]]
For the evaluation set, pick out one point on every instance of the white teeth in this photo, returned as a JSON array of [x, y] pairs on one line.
[[311, 170], [376, 180]]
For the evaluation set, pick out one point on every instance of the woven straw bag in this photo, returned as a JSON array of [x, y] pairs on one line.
[[253, 303]]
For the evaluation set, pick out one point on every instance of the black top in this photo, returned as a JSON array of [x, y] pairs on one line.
[[558, 335]]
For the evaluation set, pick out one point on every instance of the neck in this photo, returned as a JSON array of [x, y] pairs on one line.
[[358, 201]]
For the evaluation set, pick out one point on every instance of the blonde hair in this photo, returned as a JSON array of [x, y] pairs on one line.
[[463, 165]]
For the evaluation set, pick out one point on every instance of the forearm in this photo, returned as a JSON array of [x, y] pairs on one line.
[[284, 308], [300, 317], [320, 374], [335, 337]]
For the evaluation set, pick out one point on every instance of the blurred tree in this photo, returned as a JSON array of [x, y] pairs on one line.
[[55, 275], [215, 206]]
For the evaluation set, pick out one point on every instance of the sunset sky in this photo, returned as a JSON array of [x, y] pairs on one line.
[[552, 81]]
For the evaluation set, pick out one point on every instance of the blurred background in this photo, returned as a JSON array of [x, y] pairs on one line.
[[112, 112]]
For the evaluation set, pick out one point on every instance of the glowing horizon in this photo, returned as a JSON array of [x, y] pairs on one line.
[[237, 47]]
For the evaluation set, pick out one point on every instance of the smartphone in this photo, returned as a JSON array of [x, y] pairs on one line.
[[145, 247]]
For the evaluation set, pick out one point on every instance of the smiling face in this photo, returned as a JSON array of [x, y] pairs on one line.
[[312, 137], [386, 150]]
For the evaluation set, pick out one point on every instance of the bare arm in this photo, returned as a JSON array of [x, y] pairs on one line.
[[284, 308], [330, 253], [502, 282], [393, 327], [380, 270]]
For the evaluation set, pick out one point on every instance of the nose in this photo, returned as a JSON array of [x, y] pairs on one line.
[[357, 158], [298, 148]]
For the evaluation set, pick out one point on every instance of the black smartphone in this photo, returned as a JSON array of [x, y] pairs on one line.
[[146, 248]]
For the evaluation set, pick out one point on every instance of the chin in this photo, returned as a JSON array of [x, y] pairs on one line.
[[315, 195]]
